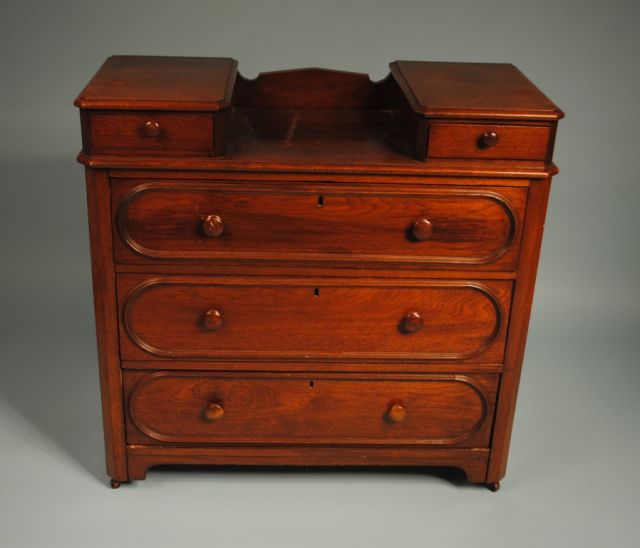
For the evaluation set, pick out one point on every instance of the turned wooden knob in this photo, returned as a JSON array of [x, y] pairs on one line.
[[214, 412], [151, 128], [212, 319], [422, 229], [212, 226], [412, 322], [489, 139], [397, 413]]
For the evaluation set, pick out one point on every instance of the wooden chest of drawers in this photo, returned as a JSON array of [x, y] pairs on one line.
[[311, 268]]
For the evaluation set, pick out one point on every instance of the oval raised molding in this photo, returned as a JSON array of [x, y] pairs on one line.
[[424, 355], [183, 382], [139, 248]]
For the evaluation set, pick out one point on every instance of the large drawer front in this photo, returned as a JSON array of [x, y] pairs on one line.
[[199, 317], [174, 408], [437, 226]]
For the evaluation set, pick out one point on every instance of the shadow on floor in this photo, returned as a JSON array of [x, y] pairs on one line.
[[48, 365]]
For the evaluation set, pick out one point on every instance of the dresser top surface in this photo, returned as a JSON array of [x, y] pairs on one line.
[[492, 90], [150, 82], [438, 89]]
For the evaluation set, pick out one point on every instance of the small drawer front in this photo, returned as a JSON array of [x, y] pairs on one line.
[[439, 227], [498, 142], [200, 318], [166, 407], [151, 133]]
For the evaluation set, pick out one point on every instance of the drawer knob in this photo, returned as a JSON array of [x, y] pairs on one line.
[[422, 229], [412, 322], [489, 139], [212, 226], [397, 413], [151, 128], [212, 319], [214, 412]]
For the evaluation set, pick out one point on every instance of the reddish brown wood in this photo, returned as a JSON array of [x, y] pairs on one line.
[[472, 461], [422, 229], [466, 175], [292, 268], [213, 412], [152, 133], [338, 319], [489, 139], [152, 128], [343, 366], [221, 122], [412, 127], [104, 295], [522, 301], [438, 410], [298, 136], [397, 413], [212, 320], [341, 167], [551, 144], [464, 227], [412, 322], [506, 142], [315, 88], [212, 226], [293, 285], [147, 82], [85, 124], [472, 90]]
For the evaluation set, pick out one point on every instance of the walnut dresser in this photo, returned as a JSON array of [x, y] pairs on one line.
[[309, 267]]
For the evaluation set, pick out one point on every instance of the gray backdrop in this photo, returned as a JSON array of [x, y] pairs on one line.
[[573, 477]]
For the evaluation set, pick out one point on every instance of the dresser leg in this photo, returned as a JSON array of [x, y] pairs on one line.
[[115, 484], [495, 486]]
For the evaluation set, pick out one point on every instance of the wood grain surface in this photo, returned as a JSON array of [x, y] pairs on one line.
[[510, 142], [339, 319], [470, 227], [169, 83], [439, 410], [174, 134]]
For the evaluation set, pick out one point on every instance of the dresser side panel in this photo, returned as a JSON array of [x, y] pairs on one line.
[[518, 327], [104, 294]]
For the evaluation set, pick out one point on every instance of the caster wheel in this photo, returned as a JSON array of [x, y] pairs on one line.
[[493, 486], [115, 484]]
